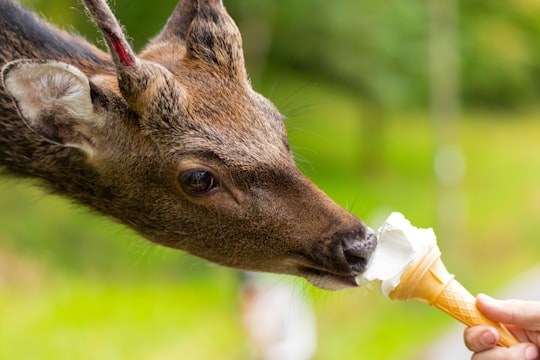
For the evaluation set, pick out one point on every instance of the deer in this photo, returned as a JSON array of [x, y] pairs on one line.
[[171, 141]]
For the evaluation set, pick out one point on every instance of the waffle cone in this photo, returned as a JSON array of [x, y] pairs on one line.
[[426, 279]]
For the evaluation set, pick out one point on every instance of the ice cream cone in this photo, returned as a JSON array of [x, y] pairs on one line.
[[426, 279]]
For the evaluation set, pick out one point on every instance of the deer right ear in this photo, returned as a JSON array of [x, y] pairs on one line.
[[54, 100]]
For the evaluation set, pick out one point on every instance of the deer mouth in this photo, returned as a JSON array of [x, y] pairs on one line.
[[328, 278], [329, 281]]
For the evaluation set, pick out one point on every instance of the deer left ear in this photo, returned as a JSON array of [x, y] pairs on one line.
[[215, 39], [54, 100]]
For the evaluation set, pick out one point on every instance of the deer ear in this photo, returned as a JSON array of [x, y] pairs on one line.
[[178, 25], [54, 100], [207, 32], [215, 39]]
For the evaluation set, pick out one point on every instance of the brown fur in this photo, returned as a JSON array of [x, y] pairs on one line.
[[182, 109]]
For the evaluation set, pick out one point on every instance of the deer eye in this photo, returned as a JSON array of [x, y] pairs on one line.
[[197, 182]]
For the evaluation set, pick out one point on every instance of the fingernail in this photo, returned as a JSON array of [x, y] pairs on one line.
[[531, 353], [490, 337]]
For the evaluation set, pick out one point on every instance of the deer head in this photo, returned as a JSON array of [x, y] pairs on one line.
[[177, 145]]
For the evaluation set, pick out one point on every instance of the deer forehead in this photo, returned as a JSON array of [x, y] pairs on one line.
[[244, 150], [224, 115], [245, 140]]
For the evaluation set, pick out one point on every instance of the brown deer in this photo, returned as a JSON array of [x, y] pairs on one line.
[[172, 142]]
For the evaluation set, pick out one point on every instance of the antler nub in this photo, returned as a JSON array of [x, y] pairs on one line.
[[102, 15], [125, 55]]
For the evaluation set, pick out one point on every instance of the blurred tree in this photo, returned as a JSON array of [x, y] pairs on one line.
[[500, 54], [368, 47]]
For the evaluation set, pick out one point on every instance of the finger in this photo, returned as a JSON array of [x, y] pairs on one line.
[[480, 338], [518, 312], [516, 352]]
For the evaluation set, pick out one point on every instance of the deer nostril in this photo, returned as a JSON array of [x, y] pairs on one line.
[[357, 250]]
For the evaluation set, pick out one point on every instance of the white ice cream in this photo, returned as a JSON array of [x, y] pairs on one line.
[[398, 245]]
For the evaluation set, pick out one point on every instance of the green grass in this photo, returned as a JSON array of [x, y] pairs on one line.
[[77, 286], [81, 319]]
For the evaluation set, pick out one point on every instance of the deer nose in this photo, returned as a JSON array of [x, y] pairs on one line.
[[357, 249]]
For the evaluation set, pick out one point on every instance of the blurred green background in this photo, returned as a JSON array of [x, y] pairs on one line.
[[428, 108]]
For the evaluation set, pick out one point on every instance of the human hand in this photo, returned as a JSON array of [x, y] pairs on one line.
[[522, 318]]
